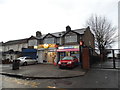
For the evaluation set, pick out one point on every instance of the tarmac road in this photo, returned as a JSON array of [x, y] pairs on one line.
[[93, 79]]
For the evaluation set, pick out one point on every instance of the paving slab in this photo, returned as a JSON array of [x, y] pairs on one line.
[[44, 71]]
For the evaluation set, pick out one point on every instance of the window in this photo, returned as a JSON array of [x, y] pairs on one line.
[[75, 57], [69, 39], [67, 58], [32, 42], [49, 40], [28, 58], [58, 40]]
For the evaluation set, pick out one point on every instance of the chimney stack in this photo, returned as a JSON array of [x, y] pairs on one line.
[[68, 28], [38, 34]]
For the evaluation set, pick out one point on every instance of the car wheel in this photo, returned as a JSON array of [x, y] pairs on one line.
[[25, 63], [36, 62]]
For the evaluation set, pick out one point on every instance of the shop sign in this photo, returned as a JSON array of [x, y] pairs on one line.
[[76, 46], [47, 46], [64, 50], [60, 47], [68, 47], [35, 47]]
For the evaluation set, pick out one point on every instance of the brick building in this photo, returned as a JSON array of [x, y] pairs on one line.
[[51, 46]]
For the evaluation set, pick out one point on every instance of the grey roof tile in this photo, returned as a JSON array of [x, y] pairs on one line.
[[57, 34], [16, 41]]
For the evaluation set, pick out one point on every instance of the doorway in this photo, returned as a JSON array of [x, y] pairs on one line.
[[51, 57]]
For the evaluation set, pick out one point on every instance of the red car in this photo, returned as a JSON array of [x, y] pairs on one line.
[[68, 61]]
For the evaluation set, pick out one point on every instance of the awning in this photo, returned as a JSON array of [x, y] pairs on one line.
[[64, 50]]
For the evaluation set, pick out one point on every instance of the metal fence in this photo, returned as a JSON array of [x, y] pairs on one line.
[[108, 59]]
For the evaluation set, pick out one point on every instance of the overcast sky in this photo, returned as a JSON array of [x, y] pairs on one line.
[[22, 18]]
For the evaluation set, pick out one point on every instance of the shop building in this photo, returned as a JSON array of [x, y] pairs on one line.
[[46, 46], [71, 50], [47, 49], [71, 41], [55, 46], [47, 53]]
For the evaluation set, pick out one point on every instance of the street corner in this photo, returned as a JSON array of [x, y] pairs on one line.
[[31, 71]]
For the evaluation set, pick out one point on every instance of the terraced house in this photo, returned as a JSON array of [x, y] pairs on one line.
[[12, 49], [52, 47]]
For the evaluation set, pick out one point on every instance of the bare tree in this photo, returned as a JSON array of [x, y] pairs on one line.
[[103, 31]]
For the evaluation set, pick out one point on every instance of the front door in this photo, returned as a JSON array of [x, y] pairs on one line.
[[51, 57]]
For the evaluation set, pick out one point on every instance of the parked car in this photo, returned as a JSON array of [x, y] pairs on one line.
[[27, 60], [68, 61]]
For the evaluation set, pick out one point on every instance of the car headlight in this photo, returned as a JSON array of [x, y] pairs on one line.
[[69, 62], [59, 62]]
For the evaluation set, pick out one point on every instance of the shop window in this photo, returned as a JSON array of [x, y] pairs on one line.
[[67, 53], [62, 55], [74, 53]]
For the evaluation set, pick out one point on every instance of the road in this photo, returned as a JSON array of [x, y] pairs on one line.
[[93, 79]]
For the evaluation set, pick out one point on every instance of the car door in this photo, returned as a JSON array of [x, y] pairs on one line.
[[75, 60], [28, 60], [31, 60]]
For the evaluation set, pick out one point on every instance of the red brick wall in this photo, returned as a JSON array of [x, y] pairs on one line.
[[86, 58]]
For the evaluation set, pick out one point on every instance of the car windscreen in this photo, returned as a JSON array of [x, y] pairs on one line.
[[67, 58]]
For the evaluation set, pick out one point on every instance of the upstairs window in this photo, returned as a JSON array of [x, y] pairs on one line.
[[58, 40], [69, 39], [32, 43], [49, 40]]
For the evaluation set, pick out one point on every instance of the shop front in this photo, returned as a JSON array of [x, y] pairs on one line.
[[68, 51], [47, 53]]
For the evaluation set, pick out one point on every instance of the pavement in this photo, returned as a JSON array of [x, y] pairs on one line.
[[42, 71]]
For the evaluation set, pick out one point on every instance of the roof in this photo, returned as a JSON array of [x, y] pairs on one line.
[[33, 37], [16, 41], [1, 43], [80, 31], [49, 34], [58, 34]]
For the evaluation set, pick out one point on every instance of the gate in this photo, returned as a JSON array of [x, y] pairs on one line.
[[109, 59]]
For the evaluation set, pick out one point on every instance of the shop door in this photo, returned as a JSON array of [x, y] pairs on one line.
[[51, 57]]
